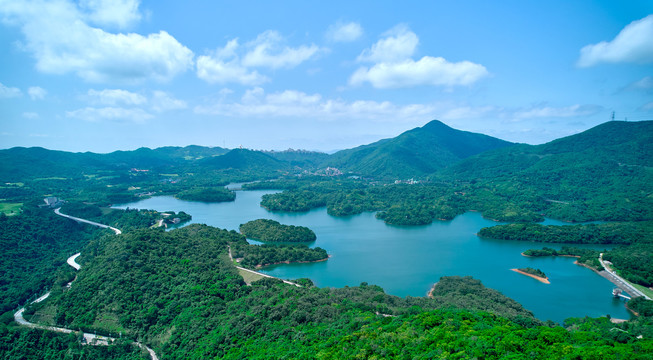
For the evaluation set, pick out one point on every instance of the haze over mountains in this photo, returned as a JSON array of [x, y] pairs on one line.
[[417, 153]]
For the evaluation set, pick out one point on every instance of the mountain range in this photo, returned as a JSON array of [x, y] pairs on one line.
[[434, 149]]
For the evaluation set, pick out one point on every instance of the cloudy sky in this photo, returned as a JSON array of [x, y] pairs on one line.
[[104, 75]]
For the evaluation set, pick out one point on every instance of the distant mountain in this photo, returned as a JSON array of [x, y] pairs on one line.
[[20, 163], [605, 172], [191, 152], [300, 158], [35, 162], [415, 153], [243, 159]]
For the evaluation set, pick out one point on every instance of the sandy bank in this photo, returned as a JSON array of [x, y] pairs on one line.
[[541, 279]]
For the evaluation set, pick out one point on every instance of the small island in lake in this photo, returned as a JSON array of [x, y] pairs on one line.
[[534, 273], [270, 230], [211, 195]]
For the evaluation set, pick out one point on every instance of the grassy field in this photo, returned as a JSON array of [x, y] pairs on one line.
[[648, 292], [249, 277], [11, 208]]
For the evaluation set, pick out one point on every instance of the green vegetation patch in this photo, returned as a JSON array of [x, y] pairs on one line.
[[587, 257], [11, 208], [35, 246], [249, 277], [123, 219], [610, 233], [253, 256], [535, 272], [270, 230], [213, 194]]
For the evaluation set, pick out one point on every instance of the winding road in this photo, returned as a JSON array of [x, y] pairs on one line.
[[58, 212], [89, 338]]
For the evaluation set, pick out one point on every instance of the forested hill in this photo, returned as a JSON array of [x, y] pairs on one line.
[[178, 292], [603, 173], [415, 153], [244, 159], [20, 163]]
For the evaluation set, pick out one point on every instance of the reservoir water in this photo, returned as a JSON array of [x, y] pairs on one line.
[[407, 261]]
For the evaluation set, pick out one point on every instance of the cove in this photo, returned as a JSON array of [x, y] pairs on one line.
[[407, 261]]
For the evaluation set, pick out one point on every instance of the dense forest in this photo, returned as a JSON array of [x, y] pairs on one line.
[[270, 230], [179, 292], [35, 344], [124, 219], [217, 194], [252, 256], [604, 234], [587, 257], [35, 246]]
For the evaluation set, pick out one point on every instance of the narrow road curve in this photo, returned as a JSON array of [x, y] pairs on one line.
[[89, 338], [621, 282], [71, 261]]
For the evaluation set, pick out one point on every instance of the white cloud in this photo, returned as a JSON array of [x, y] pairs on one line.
[[633, 44], [268, 51], [9, 92], [37, 92], [341, 32], [223, 66], [62, 42], [232, 63], [115, 96], [645, 83], [296, 104], [162, 101], [398, 44], [427, 71], [112, 13], [551, 112], [110, 113], [394, 68], [30, 115], [647, 106]]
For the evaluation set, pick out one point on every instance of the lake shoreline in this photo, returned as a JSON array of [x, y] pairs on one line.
[[529, 256], [538, 278], [429, 294], [293, 262]]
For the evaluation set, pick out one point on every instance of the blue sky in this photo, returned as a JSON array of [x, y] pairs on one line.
[[101, 75]]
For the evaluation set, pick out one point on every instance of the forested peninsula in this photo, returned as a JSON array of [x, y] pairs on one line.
[[273, 231]]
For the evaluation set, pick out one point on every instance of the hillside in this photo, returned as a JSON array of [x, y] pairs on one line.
[[178, 292], [243, 159], [414, 153], [300, 158], [603, 173], [21, 163]]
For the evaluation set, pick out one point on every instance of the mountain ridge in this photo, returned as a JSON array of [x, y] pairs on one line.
[[414, 153]]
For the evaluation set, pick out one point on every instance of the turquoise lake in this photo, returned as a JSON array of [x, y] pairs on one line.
[[407, 261]]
